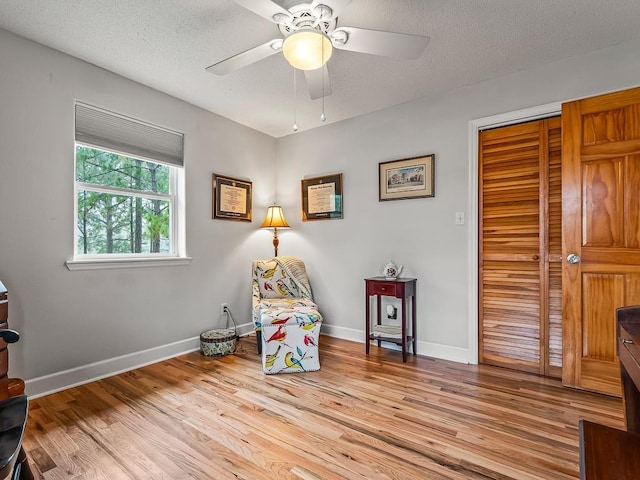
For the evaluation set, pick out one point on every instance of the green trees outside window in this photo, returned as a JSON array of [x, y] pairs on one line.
[[123, 204]]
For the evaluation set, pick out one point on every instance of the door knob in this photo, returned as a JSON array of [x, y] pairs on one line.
[[573, 258]]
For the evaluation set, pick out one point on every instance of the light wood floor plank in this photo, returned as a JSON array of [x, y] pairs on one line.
[[360, 417]]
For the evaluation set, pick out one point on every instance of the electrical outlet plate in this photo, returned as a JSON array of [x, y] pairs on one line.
[[223, 308]]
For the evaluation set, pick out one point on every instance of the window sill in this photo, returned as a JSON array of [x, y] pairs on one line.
[[108, 263]]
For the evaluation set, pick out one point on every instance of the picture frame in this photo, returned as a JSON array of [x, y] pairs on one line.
[[407, 178], [322, 197], [232, 198]]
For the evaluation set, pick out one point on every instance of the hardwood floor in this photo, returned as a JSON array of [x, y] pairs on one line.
[[196, 417]]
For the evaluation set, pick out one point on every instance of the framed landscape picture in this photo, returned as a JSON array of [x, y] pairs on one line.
[[322, 197], [231, 198], [406, 178]]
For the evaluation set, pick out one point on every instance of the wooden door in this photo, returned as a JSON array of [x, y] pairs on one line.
[[601, 225], [520, 277]]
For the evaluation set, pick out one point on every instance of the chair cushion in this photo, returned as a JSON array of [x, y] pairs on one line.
[[273, 281], [285, 310]]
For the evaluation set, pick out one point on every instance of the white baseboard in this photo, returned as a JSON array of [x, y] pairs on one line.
[[245, 329], [40, 386], [343, 332], [55, 382], [444, 352], [428, 349]]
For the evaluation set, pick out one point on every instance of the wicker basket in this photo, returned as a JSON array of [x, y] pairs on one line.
[[219, 341]]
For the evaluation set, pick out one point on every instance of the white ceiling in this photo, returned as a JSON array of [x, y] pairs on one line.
[[167, 44]]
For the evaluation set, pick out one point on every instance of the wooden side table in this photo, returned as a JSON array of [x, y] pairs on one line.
[[607, 453], [403, 288]]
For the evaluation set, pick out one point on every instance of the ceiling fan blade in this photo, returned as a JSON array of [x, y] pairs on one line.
[[243, 59], [267, 9], [315, 82], [336, 6], [377, 42]]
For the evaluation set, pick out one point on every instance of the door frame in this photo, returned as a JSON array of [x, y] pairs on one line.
[[475, 126]]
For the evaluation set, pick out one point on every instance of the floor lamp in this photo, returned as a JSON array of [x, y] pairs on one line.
[[275, 219]]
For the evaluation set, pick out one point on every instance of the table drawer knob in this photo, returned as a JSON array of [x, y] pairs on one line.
[[627, 341]]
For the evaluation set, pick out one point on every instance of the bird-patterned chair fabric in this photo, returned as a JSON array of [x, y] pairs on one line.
[[286, 320]]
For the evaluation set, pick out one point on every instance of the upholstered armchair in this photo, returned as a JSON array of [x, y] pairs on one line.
[[285, 317]]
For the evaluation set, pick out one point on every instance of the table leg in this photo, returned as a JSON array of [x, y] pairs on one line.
[[413, 322], [404, 330], [379, 305], [367, 342]]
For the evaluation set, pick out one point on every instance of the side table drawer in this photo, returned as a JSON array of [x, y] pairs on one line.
[[626, 341], [383, 289]]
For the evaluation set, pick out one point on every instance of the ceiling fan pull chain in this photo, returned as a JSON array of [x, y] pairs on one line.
[[295, 123], [323, 117]]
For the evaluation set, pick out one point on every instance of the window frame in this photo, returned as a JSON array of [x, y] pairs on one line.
[[175, 198]]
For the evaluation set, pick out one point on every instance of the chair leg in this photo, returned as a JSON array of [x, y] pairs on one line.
[[259, 341]]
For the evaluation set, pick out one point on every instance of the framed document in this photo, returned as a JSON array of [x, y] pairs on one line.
[[322, 197], [231, 198], [407, 178]]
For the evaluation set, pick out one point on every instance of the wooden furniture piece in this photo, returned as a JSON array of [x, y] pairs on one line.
[[628, 330], [4, 315], [13, 405], [9, 387], [403, 288], [608, 453]]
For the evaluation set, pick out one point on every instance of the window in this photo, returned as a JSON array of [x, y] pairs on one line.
[[123, 204], [127, 187]]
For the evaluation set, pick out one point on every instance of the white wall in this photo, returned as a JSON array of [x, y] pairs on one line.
[[418, 233], [69, 320], [75, 324]]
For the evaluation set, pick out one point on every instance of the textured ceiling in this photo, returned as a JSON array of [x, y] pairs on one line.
[[167, 44]]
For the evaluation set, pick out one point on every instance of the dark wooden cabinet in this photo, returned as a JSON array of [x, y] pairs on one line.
[[628, 329], [403, 288], [9, 387], [4, 316], [607, 453], [13, 407]]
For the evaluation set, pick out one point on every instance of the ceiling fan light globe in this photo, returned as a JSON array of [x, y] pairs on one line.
[[307, 49]]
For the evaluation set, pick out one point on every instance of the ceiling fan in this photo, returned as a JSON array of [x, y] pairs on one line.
[[317, 21]]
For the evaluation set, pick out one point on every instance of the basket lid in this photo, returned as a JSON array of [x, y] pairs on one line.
[[218, 335]]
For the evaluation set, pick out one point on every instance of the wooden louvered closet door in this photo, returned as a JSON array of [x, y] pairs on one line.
[[520, 242]]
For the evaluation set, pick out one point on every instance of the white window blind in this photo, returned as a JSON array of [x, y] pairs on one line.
[[110, 131]]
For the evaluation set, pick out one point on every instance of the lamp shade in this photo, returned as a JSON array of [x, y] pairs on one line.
[[275, 218], [307, 49]]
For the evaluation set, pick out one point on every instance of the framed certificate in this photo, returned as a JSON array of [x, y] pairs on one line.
[[322, 197], [231, 198]]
